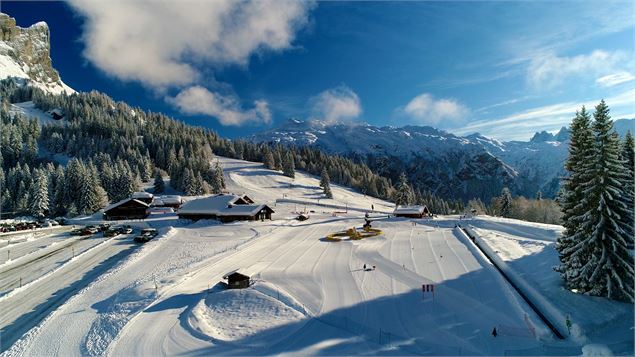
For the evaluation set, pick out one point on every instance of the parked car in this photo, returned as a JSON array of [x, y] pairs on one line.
[[77, 231], [127, 230], [113, 231], [142, 238], [103, 227], [149, 231]]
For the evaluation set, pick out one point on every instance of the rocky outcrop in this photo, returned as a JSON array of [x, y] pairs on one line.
[[25, 55]]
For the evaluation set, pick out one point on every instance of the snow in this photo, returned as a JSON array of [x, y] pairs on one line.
[[310, 296], [237, 315], [28, 110]]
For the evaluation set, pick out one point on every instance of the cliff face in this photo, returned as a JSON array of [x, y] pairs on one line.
[[25, 55]]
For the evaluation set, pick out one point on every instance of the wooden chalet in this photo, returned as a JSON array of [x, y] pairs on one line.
[[417, 211], [225, 208], [236, 280], [128, 208]]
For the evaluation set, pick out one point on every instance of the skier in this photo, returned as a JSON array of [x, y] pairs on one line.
[[364, 267], [494, 333], [372, 207]]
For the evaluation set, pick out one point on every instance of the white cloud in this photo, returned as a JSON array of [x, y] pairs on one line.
[[548, 70], [615, 79], [160, 42], [199, 100], [336, 104], [522, 125], [424, 108]]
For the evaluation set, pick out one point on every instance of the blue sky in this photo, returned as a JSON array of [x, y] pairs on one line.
[[504, 69]]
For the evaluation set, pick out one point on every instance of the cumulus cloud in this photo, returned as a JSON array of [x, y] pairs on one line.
[[198, 100], [159, 43], [548, 70], [166, 44], [615, 79], [336, 104], [426, 109]]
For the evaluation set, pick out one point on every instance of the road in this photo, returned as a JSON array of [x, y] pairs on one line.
[[25, 308]]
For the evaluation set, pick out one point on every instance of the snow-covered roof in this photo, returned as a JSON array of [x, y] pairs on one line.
[[117, 204], [142, 195], [416, 209], [220, 205], [172, 199]]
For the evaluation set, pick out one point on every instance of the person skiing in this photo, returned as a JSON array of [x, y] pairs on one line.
[[494, 333], [364, 267]]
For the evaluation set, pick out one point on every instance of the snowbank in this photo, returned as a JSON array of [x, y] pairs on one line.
[[237, 315]]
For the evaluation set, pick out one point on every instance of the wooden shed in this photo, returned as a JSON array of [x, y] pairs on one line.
[[236, 280], [129, 208]]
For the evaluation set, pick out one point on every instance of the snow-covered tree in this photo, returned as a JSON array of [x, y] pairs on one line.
[[39, 196], [325, 183], [505, 201], [601, 239], [404, 194], [628, 156], [572, 199], [159, 184], [219, 176], [288, 166]]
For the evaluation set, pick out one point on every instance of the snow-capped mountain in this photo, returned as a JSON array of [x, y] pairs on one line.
[[25, 56], [444, 163], [437, 161]]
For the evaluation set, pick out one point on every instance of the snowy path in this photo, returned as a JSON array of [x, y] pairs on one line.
[[26, 307]]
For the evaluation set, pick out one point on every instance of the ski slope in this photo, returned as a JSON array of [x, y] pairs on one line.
[[310, 296]]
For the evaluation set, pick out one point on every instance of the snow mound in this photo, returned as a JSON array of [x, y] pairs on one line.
[[596, 350], [239, 315]]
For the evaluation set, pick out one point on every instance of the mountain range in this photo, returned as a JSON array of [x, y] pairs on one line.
[[440, 162]]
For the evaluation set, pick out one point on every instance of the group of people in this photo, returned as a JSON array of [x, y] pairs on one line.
[[368, 268]]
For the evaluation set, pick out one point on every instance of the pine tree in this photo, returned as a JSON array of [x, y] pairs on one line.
[[505, 200], [404, 195], [604, 232], [288, 166], [219, 176], [628, 156], [39, 196], [572, 200], [325, 183], [159, 184], [268, 160]]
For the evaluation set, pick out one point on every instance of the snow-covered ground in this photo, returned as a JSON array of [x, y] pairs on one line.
[[527, 249], [310, 296]]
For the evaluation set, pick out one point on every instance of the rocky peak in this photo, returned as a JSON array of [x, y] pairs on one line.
[[25, 54]]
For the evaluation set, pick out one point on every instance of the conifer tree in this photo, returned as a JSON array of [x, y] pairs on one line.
[[219, 176], [572, 200], [288, 166], [325, 183], [628, 156], [505, 202], [159, 184], [39, 196], [604, 233], [404, 195]]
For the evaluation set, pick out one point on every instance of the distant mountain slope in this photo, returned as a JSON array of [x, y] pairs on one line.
[[25, 56], [440, 162]]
